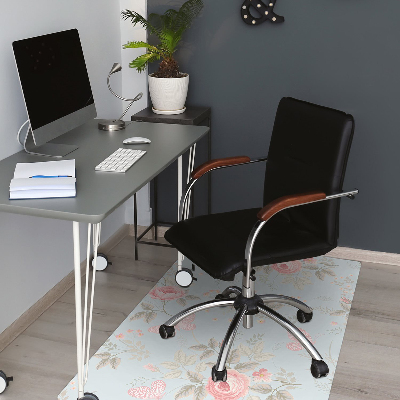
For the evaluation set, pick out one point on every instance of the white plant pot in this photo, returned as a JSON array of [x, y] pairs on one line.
[[168, 95]]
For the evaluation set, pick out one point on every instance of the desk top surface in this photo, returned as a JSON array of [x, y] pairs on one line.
[[98, 194]]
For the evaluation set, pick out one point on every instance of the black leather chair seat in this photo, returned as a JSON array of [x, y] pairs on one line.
[[216, 243]]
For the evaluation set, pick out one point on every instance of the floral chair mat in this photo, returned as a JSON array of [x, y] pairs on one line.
[[265, 363]]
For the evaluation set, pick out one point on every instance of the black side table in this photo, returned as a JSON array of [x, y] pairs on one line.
[[192, 116]]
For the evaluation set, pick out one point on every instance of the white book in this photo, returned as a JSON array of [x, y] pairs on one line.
[[42, 183], [47, 168], [41, 194], [43, 180]]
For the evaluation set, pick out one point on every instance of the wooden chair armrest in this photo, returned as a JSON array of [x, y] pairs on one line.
[[218, 162], [288, 201]]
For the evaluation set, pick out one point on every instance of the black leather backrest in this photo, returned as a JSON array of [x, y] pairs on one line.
[[309, 149]]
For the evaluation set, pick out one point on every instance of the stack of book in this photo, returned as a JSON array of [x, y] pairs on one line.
[[43, 180]]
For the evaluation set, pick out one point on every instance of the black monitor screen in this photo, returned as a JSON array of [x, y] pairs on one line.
[[53, 76]]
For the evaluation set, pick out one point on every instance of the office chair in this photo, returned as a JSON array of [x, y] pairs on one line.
[[303, 182]]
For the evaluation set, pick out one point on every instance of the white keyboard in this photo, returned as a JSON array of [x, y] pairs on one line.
[[121, 160]]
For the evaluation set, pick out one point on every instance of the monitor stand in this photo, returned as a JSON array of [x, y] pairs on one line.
[[47, 149]]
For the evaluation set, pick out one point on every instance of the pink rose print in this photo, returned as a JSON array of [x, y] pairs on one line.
[[295, 344], [345, 300], [167, 293], [287, 268], [185, 325], [120, 336], [155, 392], [150, 367], [333, 323], [235, 387], [262, 375]]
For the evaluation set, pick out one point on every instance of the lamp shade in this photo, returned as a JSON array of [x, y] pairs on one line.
[[115, 68]]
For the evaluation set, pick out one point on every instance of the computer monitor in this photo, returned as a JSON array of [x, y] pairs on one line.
[[56, 88]]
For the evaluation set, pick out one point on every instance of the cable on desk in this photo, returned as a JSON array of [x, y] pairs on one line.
[[20, 129]]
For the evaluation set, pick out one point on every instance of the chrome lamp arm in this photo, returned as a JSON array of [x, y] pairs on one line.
[[136, 98], [117, 124], [269, 211]]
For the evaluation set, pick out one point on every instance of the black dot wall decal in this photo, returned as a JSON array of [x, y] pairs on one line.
[[264, 11]]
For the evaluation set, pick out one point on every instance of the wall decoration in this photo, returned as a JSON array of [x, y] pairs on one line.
[[266, 12]]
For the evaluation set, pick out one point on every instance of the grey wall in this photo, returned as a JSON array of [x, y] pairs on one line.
[[341, 54]]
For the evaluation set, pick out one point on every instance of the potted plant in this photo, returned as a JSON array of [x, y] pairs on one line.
[[168, 86]]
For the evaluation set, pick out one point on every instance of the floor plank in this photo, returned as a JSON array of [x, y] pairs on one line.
[[368, 367], [43, 358]]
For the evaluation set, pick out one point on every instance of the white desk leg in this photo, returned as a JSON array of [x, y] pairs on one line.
[[78, 308], [84, 326]]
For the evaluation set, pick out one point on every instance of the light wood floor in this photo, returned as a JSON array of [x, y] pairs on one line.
[[42, 359]]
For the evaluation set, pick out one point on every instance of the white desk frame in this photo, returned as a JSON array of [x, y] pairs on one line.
[[84, 321], [169, 143]]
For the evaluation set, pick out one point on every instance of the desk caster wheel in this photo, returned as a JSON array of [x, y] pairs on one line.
[[319, 369], [166, 331], [102, 262], [304, 317], [89, 396], [4, 381], [218, 375], [184, 277]]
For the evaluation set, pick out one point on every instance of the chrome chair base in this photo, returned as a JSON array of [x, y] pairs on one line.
[[246, 308]]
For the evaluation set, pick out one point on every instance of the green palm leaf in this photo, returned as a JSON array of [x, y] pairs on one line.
[[187, 13], [140, 63], [136, 18], [169, 28], [169, 41], [139, 44]]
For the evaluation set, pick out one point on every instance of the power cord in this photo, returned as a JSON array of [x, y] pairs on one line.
[[20, 129]]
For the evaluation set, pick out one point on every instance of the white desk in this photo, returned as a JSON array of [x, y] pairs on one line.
[[98, 195]]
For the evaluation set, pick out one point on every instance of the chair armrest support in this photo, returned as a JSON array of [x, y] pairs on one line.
[[274, 207], [217, 163], [288, 201], [210, 166], [294, 200], [222, 163]]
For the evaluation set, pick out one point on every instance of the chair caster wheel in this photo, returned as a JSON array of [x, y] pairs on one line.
[[319, 369], [4, 381], [101, 262], [218, 375], [167, 331], [304, 317], [184, 277], [89, 396]]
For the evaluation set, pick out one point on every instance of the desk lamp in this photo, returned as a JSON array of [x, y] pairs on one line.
[[117, 124]]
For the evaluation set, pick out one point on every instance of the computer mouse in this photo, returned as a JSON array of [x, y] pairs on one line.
[[136, 140]]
